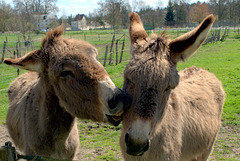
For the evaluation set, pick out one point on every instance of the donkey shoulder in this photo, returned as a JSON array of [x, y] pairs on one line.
[[198, 87], [199, 77], [22, 84]]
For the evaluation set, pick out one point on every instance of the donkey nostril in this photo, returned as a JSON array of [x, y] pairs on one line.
[[112, 103], [146, 147], [127, 139]]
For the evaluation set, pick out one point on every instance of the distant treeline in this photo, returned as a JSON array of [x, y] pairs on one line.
[[178, 13], [114, 14]]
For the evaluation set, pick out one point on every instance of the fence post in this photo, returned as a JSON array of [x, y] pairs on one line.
[[98, 37], [14, 54], [106, 53], [85, 37], [116, 52], [212, 37], [122, 49], [31, 42], [216, 36], [224, 35], [4, 50], [17, 49], [110, 59], [219, 32]]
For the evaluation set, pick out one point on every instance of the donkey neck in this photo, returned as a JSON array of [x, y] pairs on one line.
[[57, 117]]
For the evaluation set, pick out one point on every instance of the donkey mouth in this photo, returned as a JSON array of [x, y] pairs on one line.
[[137, 150], [115, 119]]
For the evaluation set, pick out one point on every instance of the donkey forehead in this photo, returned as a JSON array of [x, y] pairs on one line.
[[151, 70], [75, 47], [69, 49], [154, 44], [76, 54]]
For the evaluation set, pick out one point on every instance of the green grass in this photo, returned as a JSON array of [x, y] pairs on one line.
[[104, 139]]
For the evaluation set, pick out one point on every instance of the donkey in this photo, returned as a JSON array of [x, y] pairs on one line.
[[64, 82], [174, 115]]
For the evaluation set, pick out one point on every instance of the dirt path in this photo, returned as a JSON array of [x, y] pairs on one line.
[[227, 145]]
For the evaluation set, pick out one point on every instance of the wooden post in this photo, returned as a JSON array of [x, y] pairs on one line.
[[4, 50], [116, 52], [98, 37], [122, 49], [85, 37], [106, 53], [17, 49], [215, 37], [31, 42], [14, 54], [7, 153], [212, 37], [110, 59]]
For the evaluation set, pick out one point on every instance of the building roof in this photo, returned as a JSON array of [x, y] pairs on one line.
[[79, 17]]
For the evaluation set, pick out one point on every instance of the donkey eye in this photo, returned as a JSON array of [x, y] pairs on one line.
[[167, 89], [66, 73]]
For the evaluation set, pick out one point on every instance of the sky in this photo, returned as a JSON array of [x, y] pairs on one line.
[[74, 7]]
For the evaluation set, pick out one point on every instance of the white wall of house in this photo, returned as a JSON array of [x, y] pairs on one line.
[[79, 24], [74, 25]]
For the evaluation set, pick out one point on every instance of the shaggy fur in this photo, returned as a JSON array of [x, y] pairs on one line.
[[174, 115], [64, 81]]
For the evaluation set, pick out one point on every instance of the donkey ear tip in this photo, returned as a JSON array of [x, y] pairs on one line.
[[134, 16], [7, 61], [211, 17]]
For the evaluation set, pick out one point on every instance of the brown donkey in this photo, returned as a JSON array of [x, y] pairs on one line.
[[174, 115], [65, 81]]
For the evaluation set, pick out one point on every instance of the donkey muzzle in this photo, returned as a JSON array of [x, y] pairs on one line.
[[117, 106], [135, 148]]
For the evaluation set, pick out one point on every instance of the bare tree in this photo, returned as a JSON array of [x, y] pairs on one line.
[[234, 13], [220, 9], [6, 17], [31, 7], [113, 11], [198, 12], [138, 4]]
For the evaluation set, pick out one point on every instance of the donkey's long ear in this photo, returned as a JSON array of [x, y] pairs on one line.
[[184, 46], [30, 61], [136, 29]]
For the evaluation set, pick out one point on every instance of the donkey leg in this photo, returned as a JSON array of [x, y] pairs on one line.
[[205, 155], [28, 151]]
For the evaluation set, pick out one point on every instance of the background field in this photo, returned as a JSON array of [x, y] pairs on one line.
[[100, 141]]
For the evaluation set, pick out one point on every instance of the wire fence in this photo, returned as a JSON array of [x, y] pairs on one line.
[[113, 49]]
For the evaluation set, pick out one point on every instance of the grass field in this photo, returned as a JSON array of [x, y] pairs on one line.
[[100, 141]]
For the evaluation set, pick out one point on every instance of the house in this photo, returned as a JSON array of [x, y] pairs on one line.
[[79, 23], [43, 21]]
